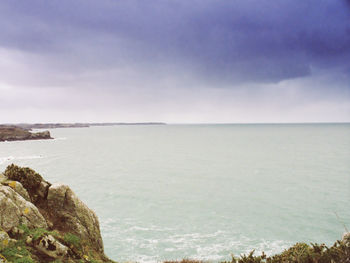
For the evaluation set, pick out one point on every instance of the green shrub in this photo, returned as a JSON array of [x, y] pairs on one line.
[[301, 253], [17, 253], [36, 233], [71, 239], [26, 176], [24, 228]]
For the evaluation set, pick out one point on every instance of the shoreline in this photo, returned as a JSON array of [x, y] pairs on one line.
[[15, 133]]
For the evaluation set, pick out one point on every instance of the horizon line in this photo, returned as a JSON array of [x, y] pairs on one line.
[[177, 123]]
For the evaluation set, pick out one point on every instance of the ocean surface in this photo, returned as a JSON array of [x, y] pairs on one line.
[[201, 191]]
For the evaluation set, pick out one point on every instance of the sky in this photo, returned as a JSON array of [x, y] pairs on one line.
[[175, 61]]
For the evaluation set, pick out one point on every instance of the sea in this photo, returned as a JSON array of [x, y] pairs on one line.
[[167, 192]]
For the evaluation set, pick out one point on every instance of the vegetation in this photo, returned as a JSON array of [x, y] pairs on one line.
[[20, 252], [71, 240], [299, 253], [17, 253], [27, 177]]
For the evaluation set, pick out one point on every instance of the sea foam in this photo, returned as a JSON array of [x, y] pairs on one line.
[[4, 160]]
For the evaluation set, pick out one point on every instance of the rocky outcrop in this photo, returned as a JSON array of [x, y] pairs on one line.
[[18, 187], [33, 183], [346, 239], [50, 219], [14, 133], [65, 206], [15, 210], [50, 246], [5, 240]]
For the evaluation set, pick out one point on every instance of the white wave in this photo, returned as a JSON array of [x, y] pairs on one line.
[[139, 228], [60, 139], [144, 241], [7, 159], [146, 259], [270, 247]]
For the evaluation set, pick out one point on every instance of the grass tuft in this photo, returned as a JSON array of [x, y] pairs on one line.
[[72, 239]]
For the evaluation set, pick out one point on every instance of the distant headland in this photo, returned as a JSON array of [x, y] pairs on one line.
[[22, 131], [15, 133], [79, 124]]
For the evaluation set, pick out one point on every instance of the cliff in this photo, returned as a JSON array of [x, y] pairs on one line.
[[44, 222], [14, 133]]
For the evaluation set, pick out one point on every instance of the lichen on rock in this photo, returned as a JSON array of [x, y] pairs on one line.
[[49, 221], [18, 187], [65, 206], [4, 239], [14, 210]]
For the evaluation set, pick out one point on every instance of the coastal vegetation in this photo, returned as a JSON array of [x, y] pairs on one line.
[[299, 253], [44, 222]]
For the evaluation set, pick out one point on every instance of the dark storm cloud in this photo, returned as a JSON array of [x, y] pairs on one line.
[[175, 60], [228, 41]]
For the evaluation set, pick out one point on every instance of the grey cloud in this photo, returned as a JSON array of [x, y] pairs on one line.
[[167, 58], [228, 41]]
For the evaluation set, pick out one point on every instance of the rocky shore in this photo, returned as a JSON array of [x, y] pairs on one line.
[[44, 222], [14, 133]]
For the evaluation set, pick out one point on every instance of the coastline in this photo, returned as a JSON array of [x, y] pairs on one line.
[[15, 133]]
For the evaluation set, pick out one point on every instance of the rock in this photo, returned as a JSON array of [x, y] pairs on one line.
[[3, 178], [27, 199], [29, 240], [346, 239], [18, 187], [34, 184], [43, 189], [14, 210], [2, 259], [40, 135], [51, 247], [56, 196], [15, 133], [4, 239], [68, 213], [15, 231]]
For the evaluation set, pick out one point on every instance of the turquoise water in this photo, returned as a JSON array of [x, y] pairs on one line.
[[201, 191]]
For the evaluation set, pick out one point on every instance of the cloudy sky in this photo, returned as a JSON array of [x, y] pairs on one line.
[[177, 61]]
